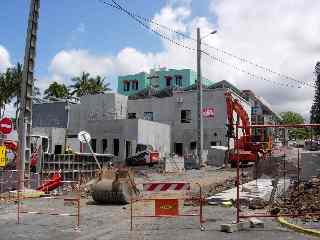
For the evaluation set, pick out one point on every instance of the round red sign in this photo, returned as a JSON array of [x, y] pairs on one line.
[[6, 126]]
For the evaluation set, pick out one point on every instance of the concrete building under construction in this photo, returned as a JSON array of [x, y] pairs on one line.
[[166, 119], [163, 117]]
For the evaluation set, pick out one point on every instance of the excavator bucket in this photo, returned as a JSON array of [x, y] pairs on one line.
[[114, 186]]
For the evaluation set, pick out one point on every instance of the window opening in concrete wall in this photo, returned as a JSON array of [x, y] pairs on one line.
[[185, 116], [94, 145], [135, 85], [214, 143], [128, 149], [168, 80], [104, 145], [178, 149], [179, 80], [215, 134], [148, 116], [193, 145], [132, 115], [141, 147], [126, 86], [116, 146], [45, 145], [58, 149]]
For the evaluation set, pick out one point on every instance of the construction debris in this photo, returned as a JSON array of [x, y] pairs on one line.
[[256, 223], [301, 199]]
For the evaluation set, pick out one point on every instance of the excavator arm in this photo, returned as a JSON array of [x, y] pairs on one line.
[[248, 151], [233, 105]]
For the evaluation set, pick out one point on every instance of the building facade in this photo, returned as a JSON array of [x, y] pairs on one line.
[[262, 114], [104, 116], [158, 79], [180, 112]]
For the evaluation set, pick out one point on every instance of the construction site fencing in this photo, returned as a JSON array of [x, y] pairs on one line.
[[285, 183], [167, 200], [8, 180], [31, 198], [49, 205]]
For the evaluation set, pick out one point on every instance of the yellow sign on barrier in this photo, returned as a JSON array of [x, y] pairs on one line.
[[2, 156]]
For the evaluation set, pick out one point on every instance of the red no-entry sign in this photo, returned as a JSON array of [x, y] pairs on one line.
[[6, 126]]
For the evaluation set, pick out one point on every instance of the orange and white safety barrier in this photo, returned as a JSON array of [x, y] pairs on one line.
[[164, 207], [162, 187]]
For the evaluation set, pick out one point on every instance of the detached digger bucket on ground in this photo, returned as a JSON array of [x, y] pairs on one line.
[[114, 186]]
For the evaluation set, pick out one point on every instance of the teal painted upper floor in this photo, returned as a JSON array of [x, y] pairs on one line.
[[160, 79]]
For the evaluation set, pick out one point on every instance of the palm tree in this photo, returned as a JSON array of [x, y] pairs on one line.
[[5, 96], [81, 85], [86, 85], [10, 83], [56, 90], [98, 85]]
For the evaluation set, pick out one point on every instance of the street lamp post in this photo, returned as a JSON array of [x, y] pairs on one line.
[[199, 87]]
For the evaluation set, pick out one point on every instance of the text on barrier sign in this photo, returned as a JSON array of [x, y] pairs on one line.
[[166, 207], [2, 156]]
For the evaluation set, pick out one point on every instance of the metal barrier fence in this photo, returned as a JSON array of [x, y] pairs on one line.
[[63, 200], [62, 206], [170, 205], [284, 176], [8, 180]]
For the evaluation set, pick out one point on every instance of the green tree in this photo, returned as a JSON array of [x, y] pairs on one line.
[[5, 96], [86, 85], [315, 108], [294, 118], [56, 90], [98, 85], [10, 83]]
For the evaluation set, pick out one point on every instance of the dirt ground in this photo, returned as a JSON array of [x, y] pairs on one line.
[[113, 222]]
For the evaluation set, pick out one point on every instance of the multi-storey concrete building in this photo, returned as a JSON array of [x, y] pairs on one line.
[[262, 113], [179, 110], [157, 79], [165, 119], [104, 117]]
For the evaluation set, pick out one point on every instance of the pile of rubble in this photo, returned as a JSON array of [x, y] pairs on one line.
[[301, 199]]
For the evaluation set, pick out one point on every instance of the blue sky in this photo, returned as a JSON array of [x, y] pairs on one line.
[[75, 24], [78, 35]]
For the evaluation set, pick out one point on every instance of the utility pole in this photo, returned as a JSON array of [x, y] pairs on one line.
[[200, 116], [25, 113]]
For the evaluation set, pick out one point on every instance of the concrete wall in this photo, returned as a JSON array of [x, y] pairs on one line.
[[50, 115], [168, 110], [135, 131], [310, 164], [56, 136], [155, 134], [99, 107]]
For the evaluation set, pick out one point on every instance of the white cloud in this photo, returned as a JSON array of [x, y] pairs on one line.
[[4, 59], [280, 34], [74, 62], [173, 17]]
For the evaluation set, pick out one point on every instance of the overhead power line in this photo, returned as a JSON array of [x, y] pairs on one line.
[[137, 19], [253, 75], [143, 21]]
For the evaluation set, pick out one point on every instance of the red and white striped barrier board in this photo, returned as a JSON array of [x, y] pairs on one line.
[[162, 187]]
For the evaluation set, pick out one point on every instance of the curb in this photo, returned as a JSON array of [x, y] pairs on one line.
[[297, 228]]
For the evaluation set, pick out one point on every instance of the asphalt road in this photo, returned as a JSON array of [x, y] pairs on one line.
[[113, 222]]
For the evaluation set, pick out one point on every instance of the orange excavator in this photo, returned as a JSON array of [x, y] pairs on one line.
[[248, 151]]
